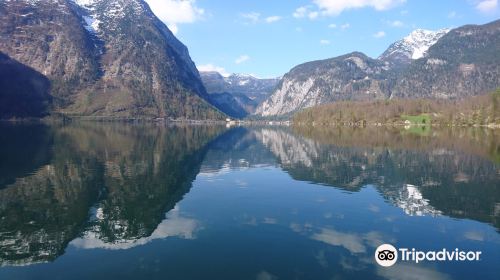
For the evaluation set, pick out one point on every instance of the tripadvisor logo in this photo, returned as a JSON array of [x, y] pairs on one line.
[[387, 255]]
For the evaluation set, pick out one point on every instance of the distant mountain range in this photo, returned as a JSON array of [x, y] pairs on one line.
[[115, 58], [109, 58], [238, 95], [445, 64]]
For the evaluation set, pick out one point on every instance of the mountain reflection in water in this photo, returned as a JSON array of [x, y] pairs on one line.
[[70, 189]]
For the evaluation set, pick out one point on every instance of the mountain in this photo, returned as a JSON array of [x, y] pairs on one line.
[[252, 87], [237, 95], [110, 58], [462, 62], [413, 46], [353, 76], [25, 92]]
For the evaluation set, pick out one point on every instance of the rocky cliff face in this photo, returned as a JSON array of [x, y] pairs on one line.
[[462, 62], [352, 76], [238, 94], [105, 58], [48, 37]]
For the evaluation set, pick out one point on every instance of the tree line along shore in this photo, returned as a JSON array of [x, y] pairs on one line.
[[483, 110]]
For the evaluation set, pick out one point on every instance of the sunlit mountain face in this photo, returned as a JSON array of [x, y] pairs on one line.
[[107, 195]]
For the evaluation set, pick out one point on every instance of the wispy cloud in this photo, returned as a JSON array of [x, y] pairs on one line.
[[335, 7], [301, 12], [272, 19], [324, 42], [313, 15], [252, 17], [213, 68], [306, 11], [345, 26], [396, 23], [332, 25], [487, 6], [242, 58], [379, 34], [174, 12]]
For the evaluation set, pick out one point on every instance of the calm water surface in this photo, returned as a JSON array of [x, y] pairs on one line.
[[122, 201]]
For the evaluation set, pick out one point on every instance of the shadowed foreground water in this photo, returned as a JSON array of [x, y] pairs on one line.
[[123, 201]]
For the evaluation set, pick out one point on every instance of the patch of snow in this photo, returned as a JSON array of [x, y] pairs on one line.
[[84, 3], [416, 44], [91, 24]]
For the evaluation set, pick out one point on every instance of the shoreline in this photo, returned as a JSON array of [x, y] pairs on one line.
[[237, 122]]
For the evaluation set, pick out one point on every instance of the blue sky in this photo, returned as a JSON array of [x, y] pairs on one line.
[[268, 37]]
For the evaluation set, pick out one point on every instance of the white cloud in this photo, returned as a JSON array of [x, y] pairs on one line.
[[252, 17], [324, 42], [333, 25], [174, 12], [487, 6], [345, 26], [396, 23], [173, 27], [335, 7], [313, 15], [212, 68], [379, 34], [241, 59], [272, 19], [404, 12], [301, 12], [305, 11]]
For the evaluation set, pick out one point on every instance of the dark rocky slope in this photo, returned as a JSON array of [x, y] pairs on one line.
[[23, 91]]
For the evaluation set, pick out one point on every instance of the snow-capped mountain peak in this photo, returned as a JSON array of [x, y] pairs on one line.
[[85, 3], [413, 46]]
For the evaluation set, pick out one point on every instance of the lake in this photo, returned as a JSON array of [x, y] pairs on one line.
[[146, 201]]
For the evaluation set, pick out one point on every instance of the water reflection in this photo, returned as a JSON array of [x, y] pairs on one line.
[[125, 177], [150, 201], [446, 173]]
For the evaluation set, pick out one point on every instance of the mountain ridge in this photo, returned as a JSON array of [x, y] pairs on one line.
[[237, 94], [463, 62]]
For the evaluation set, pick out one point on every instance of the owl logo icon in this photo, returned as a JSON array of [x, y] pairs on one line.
[[386, 255]]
